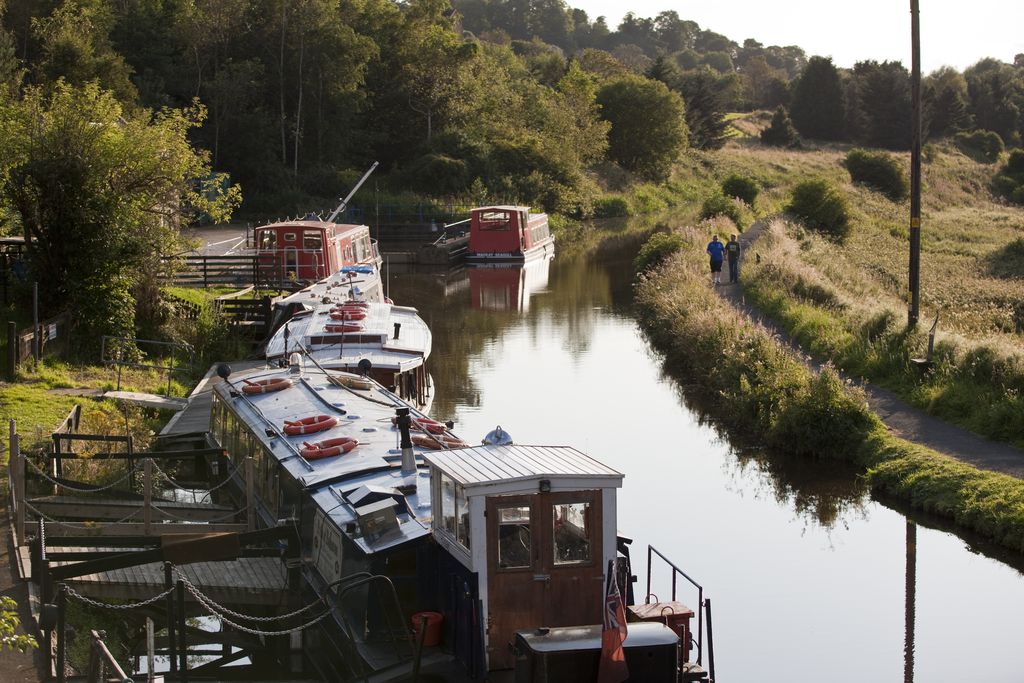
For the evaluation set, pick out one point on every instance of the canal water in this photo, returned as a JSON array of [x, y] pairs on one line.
[[810, 578]]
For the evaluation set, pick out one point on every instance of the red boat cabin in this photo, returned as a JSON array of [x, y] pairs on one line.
[[507, 233], [310, 250]]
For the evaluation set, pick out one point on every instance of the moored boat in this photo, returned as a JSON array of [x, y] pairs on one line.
[[508, 233], [478, 545]]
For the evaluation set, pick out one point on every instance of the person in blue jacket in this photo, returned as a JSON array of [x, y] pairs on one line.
[[716, 250]]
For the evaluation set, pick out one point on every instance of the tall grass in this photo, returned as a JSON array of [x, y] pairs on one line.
[[758, 387]]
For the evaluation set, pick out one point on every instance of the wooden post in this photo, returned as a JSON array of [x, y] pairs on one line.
[[61, 628], [36, 340], [250, 485], [147, 496], [182, 637], [150, 650], [18, 474], [12, 349], [172, 644]]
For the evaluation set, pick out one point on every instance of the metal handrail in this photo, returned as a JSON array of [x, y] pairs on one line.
[[651, 552]]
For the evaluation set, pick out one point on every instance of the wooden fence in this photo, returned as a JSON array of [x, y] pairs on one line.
[[200, 270], [53, 337]]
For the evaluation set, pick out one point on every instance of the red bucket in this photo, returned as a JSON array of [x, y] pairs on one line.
[[432, 632]]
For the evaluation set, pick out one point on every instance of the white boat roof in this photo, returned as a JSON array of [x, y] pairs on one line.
[[364, 415], [339, 286], [487, 466], [341, 228], [374, 342]]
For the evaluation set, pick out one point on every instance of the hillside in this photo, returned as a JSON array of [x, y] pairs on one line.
[[846, 301]]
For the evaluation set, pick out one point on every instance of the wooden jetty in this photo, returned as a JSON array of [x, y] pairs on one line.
[[161, 537]]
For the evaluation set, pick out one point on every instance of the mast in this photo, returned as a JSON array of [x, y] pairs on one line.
[[344, 202]]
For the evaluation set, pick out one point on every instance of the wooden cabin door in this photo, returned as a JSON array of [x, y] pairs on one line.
[[544, 565]]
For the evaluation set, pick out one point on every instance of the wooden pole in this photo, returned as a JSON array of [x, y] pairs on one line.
[[12, 349], [250, 503], [914, 312], [147, 505], [18, 473], [36, 341]]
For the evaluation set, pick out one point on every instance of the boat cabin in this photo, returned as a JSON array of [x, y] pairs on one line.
[[309, 250], [507, 233], [533, 527]]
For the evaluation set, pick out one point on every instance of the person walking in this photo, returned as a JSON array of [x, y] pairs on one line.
[[732, 252], [716, 250]]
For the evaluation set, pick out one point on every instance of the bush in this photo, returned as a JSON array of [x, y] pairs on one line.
[[656, 249], [611, 207], [880, 171], [1009, 181], [781, 133], [821, 207], [720, 205], [981, 145], [741, 187]]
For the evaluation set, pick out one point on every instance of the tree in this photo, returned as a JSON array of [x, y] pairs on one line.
[[98, 192], [648, 125], [945, 95], [76, 47], [884, 103], [781, 132], [706, 95], [10, 639], [817, 108], [996, 96]]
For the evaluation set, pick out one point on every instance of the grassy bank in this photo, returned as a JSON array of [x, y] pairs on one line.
[[763, 391]]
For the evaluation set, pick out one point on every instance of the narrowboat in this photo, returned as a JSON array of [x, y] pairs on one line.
[[360, 339], [508, 233], [293, 253], [494, 553]]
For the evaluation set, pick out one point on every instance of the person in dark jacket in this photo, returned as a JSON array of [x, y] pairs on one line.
[[732, 252]]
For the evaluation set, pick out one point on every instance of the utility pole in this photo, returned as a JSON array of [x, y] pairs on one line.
[[915, 165]]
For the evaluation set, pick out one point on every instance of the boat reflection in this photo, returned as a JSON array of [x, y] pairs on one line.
[[507, 286]]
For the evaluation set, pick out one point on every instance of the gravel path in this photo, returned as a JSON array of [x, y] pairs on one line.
[[903, 420]]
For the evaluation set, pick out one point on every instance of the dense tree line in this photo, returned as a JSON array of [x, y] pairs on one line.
[[868, 104]]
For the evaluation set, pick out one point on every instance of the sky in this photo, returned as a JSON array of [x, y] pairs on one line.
[[953, 32]]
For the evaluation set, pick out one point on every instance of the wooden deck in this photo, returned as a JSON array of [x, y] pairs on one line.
[[245, 581], [195, 417]]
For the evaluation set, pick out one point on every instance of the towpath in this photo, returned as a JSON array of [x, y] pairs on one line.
[[902, 419]]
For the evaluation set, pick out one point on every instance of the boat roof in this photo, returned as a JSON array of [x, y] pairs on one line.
[[375, 342], [361, 282], [502, 207], [488, 466], [375, 463], [340, 228]]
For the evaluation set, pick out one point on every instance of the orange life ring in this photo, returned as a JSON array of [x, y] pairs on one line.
[[424, 424], [265, 386], [343, 314], [327, 448], [344, 327], [309, 425], [436, 443]]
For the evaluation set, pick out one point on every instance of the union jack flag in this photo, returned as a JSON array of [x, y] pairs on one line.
[[612, 668]]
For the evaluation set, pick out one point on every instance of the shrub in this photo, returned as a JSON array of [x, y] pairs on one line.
[[880, 171], [741, 187], [821, 207], [720, 205], [981, 145], [781, 132], [656, 249], [611, 207], [1009, 181]]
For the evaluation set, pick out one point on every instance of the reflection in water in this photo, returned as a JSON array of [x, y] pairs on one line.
[[811, 579], [505, 286]]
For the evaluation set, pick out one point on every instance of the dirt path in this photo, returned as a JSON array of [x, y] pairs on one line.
[[903, 420]]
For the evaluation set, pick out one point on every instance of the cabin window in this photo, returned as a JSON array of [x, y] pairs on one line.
[[312, 240], [571, 533], [514, 539], [289, 237], [267, 240], [495, 220], [454, 510]]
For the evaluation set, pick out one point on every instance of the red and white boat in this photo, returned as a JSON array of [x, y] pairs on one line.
[[508, 233]]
